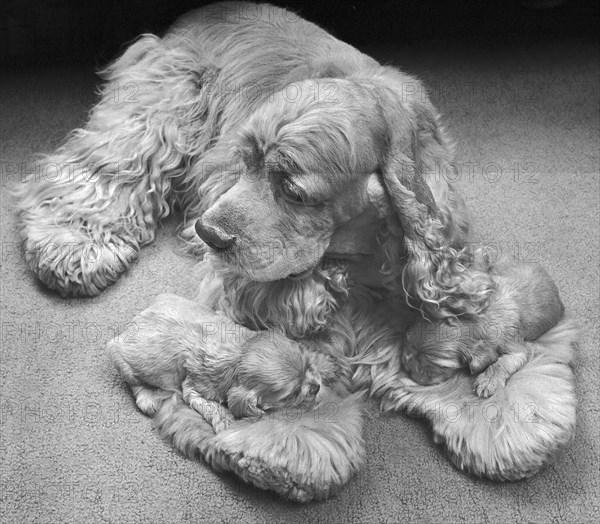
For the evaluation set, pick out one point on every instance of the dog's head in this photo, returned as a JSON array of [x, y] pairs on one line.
[[304, 166], [346, 168]]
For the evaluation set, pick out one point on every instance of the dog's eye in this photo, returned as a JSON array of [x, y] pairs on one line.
[[292, 192]]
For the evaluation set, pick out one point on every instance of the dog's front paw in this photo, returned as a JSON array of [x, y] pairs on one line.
[[488, 382], [72, 262]]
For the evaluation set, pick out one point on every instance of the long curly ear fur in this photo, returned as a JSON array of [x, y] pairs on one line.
[[425, 242]]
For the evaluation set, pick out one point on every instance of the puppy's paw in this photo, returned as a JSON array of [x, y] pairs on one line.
[[146, 402], [488, 382], [344, 369], [222, 421], [482, 355], [336, 372]]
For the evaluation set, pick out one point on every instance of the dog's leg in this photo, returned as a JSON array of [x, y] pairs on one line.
[[96, 201], [213, 412]]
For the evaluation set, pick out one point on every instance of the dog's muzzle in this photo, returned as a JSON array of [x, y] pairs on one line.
[[213, 237]]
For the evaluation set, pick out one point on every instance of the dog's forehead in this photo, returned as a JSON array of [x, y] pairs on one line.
[[314, 134]]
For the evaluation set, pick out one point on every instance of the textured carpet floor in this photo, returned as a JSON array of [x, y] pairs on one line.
[[74, 448]]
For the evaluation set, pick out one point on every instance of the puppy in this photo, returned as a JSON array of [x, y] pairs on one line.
[[525, 305], [214, 361]]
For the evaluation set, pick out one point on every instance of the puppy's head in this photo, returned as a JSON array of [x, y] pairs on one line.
[[281, 372]]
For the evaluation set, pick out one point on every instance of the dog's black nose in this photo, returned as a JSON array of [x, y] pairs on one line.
[[213, 237], [314, 389]]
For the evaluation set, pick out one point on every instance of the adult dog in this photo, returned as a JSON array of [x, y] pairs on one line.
[[313, 174]]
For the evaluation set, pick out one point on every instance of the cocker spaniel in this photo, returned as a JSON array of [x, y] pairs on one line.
[[313, 175]]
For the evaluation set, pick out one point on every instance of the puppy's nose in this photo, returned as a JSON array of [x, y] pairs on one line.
[[314, 389], [213, 237]]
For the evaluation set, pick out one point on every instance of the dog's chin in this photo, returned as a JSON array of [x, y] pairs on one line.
[[270, 273], [301, 275]]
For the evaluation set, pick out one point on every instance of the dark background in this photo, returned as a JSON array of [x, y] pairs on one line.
[[94, 31]]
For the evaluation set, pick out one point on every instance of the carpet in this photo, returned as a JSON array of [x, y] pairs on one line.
[[73, 446]]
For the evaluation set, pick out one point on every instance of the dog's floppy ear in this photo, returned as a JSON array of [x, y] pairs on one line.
[[430, 251]]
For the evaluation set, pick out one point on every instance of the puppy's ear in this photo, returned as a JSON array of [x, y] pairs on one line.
[[431, 256]]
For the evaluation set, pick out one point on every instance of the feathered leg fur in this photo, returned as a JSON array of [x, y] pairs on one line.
[[301, 456], [510, 435], [101, 194]]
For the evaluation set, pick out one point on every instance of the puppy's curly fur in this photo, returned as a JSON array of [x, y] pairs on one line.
[[314, 173]]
